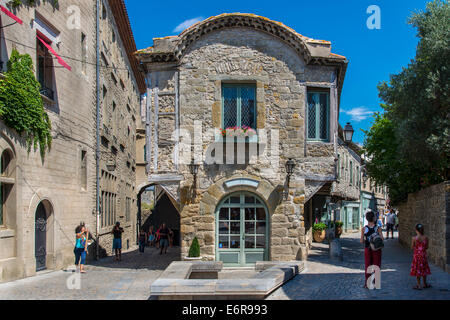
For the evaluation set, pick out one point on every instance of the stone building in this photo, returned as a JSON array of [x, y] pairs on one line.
[[43, 201], [346, 190], [247, 71], [373, 196]]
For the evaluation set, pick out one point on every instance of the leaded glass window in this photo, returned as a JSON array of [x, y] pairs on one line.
[[239, 106], [318, 116]]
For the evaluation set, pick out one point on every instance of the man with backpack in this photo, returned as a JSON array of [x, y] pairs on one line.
[[372, 238]]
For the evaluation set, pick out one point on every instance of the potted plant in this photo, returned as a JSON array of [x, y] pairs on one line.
[[338, 229], [194, 251], [319, 232]]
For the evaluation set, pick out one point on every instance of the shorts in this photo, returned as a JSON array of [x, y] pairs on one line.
[[163, 243], [389, 227], [117, 244], [151, 238]]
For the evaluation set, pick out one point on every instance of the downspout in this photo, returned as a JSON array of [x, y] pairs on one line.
[[98, 129]]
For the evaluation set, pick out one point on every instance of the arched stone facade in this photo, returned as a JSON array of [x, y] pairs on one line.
[[187, 76]]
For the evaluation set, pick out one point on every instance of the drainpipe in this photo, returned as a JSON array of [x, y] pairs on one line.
[[97, 209]]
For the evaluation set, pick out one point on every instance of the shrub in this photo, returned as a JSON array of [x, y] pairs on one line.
[[339, 224], [194, 250], [319, 227]]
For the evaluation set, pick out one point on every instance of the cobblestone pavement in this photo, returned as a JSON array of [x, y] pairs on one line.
[[107, 279], [326, 279]]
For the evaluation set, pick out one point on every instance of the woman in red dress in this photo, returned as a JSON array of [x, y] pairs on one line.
[[420, 267]]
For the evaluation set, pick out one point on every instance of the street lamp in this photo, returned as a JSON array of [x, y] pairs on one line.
[[348, 133], [290, 166]]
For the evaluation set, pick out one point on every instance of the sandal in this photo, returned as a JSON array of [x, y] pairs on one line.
[[417, 288]]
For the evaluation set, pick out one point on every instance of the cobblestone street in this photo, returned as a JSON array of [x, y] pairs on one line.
[[324, 279], [107, 279]]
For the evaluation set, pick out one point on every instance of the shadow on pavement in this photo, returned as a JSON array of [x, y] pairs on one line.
[[134, 260]]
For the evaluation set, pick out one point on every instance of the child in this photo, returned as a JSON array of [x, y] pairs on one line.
[[420, 267]]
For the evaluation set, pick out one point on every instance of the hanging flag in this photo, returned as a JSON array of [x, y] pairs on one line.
[[49, 47], [10, 14]]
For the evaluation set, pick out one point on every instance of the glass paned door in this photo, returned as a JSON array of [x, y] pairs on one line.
[[242, 230]]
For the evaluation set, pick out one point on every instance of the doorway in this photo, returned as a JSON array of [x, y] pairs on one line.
[[242, 230]]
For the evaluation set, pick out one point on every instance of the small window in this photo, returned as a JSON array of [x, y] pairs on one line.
[[113, 78], [83, 53], [239, 106], [103, 12], [113, 38], [83, 170], [105, 61], [318, 116], [351, 172]]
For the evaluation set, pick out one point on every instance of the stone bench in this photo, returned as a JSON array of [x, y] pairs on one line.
[[186, 281]]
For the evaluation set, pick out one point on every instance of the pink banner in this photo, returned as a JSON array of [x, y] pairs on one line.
[[60, 60], [10, 14]]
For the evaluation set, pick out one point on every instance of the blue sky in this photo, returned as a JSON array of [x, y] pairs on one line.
[[373, 54]]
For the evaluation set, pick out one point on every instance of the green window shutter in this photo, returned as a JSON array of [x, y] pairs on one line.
[[318, 116]]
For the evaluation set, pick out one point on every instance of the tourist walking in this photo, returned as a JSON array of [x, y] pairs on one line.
[[372, 238], [390, 223], [164, 238], [142, 240], [117, 242], [82, 234], [151, 237], [420, 268], [171, 235]]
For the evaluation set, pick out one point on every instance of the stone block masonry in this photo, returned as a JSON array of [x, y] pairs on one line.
[[430, 207]]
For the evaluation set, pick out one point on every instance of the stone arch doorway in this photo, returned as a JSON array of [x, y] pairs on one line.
[[242, 230], [43, 234], [157, 206]]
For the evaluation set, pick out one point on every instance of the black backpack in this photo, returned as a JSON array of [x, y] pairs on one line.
[[375, 240]]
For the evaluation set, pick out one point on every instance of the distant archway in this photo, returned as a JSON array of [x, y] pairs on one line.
[[157, 206]]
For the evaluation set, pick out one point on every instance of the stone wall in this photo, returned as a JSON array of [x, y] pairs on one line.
[[430, 207]]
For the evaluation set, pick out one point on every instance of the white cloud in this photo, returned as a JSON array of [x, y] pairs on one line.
[[186, 24], [359, 114]]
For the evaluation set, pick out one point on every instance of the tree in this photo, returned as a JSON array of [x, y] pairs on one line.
[[409, 145], [21, 106]]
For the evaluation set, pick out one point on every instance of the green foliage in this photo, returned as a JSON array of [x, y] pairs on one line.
[[147, 206], [194, 250], [21, 106], [409, 145], [339, 224], [319, 227], [17, 3]]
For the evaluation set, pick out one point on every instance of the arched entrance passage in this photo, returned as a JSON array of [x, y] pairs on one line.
[[42, 238], [155, 207], [242, 230]]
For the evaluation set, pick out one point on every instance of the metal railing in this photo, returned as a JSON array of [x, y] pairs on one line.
[[47, 92]]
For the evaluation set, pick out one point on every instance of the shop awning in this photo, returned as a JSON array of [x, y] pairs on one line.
[[10, 14], [49, 47]]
